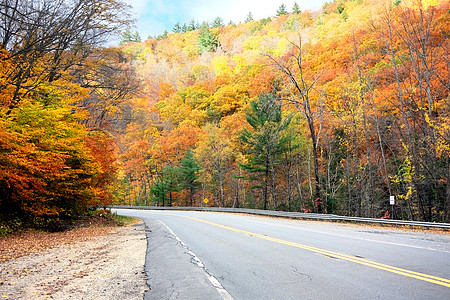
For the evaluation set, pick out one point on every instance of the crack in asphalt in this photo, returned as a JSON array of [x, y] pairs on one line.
[[296, 271]]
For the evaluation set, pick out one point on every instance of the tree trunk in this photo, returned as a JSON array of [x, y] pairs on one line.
[[300, 97], [266, 185]]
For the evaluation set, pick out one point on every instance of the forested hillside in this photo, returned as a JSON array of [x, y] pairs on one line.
[[331, 111]]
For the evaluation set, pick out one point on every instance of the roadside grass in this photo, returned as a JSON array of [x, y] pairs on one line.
[[106, 218], [93, 218], [123, 220]]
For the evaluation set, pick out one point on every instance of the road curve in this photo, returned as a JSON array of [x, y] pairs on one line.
[[204, 255]]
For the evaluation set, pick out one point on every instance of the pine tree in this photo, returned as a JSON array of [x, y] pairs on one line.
[[136, 37], [281, 10], [177, 28], [265, 142], [249, 17], [184, 29], [189, 174], [207, 42], [165, 185], [296, 9], [129, 36], [192, 25], [171, 176], [218, 22], [160, 37], [159, 192]]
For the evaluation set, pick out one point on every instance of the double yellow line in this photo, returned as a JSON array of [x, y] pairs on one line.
[[404, 272]]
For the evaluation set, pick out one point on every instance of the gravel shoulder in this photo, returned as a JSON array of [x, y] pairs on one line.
[[108, 266]]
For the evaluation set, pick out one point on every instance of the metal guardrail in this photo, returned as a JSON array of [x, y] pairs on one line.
[[295, 215]]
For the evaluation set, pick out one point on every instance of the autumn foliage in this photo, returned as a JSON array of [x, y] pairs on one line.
[[362, 89], [365, 84], [51, 165]]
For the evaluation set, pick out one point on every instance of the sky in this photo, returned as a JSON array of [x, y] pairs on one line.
[[155, 16]]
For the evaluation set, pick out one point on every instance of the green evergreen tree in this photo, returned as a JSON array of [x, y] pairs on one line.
[[249, 17], [161, 36], [159, 192], [265, 142], [296, 9], [218, 22], [189, 174], [184, 29], [282, 10], [129, 36], [163, 188], [192, 25], [177, 28], [171, 175], [264, 22], [207, 42], [291, 141], [136, 37]]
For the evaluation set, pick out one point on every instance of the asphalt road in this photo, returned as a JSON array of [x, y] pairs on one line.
[[205, 255]]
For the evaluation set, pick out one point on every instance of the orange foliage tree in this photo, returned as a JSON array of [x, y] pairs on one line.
[[51, 166]]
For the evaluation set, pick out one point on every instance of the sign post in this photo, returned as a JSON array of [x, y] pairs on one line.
[[392, 203], [206, 200]]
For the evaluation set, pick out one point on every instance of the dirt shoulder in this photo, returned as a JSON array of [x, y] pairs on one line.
[[86, 263]]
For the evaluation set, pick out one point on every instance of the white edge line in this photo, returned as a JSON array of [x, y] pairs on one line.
[[222, 291]]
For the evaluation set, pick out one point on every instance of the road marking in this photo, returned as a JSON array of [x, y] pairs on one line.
[[220, 289], [345, 236], [399, 271]]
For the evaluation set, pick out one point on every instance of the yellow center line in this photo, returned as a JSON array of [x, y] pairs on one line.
[[400, 271]]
